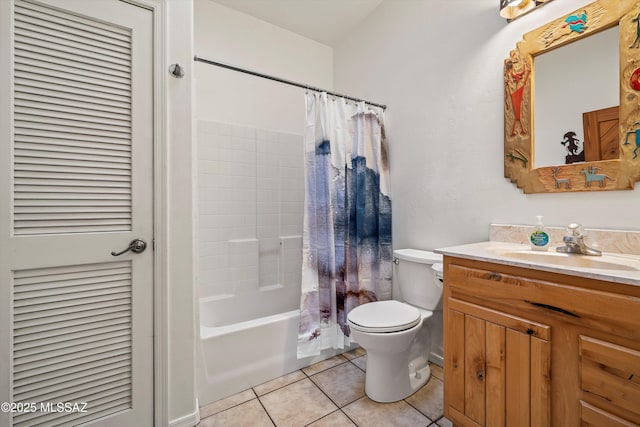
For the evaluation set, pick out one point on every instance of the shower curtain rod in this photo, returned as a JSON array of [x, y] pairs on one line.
[[277, 79]]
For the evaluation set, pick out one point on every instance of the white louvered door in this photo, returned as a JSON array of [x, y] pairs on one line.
[[76, 119]]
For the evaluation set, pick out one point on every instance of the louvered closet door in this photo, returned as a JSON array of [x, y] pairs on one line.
[[76, 152]]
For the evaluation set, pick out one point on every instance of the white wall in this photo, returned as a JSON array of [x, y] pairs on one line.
[[224, 35], [438, 66], [180, 298]]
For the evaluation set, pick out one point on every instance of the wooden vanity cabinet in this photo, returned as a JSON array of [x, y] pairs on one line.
[[523, 347]]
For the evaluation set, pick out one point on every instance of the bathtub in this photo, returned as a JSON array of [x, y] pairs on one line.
[[235, 357]]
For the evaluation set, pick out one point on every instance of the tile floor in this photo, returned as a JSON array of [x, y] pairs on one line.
[[327, 394]]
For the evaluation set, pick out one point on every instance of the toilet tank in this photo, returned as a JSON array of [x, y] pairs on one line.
[[416, 279]]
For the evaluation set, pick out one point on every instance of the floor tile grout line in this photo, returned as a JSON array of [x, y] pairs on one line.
[[255, 396], [332, 412], [315, 385], [267, 412], [326, 369], [332, 401], [441, 417], [277, 388], [280, 388], [351, 361], [328, 397], [253, 389], [417, 409], [348, 417]]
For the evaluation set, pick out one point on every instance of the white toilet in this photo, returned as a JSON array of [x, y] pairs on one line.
[[394, 333]]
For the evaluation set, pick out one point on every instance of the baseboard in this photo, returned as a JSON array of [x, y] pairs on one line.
[[189, 420], [437, 359]]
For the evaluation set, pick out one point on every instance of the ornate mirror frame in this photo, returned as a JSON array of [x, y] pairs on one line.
[[620, 174]]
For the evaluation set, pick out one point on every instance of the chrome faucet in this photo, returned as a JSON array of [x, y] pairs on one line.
[[574, 242]]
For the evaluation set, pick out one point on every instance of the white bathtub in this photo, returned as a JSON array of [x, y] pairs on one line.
[[238, 356]]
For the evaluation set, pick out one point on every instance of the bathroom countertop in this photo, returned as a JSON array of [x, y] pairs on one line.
[[618, 268]]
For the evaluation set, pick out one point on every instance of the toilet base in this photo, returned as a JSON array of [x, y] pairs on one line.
[[388, 381], [420, 378]]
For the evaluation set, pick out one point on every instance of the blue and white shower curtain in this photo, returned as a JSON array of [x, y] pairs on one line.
[[346, 248]]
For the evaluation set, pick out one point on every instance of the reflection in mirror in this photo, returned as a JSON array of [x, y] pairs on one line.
[[579, 78]]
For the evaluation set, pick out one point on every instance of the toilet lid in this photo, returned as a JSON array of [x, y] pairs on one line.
[[383, 316]]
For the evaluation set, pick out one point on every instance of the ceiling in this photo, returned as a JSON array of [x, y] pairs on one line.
[[325, 21]]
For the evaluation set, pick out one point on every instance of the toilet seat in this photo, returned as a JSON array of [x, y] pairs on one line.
[[384, 316]]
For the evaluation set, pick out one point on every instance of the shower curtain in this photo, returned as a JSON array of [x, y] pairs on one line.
[[346, 248]]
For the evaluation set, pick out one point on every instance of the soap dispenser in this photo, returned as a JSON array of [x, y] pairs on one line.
[[539, 238]]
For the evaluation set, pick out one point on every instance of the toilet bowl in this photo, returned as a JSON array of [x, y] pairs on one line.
[[394, 334]]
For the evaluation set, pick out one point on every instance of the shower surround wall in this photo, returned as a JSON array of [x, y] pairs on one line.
[[251, 195]]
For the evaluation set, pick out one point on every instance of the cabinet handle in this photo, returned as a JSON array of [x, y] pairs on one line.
[[530, 331], [480, 375], [554, 308]]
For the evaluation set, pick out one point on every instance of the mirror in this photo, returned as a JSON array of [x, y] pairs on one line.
[[579, 78], [572, 108]]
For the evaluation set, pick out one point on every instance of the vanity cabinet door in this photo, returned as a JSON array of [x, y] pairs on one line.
[[497, 368]]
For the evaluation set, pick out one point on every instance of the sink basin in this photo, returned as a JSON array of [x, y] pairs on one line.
[[605, 262]]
